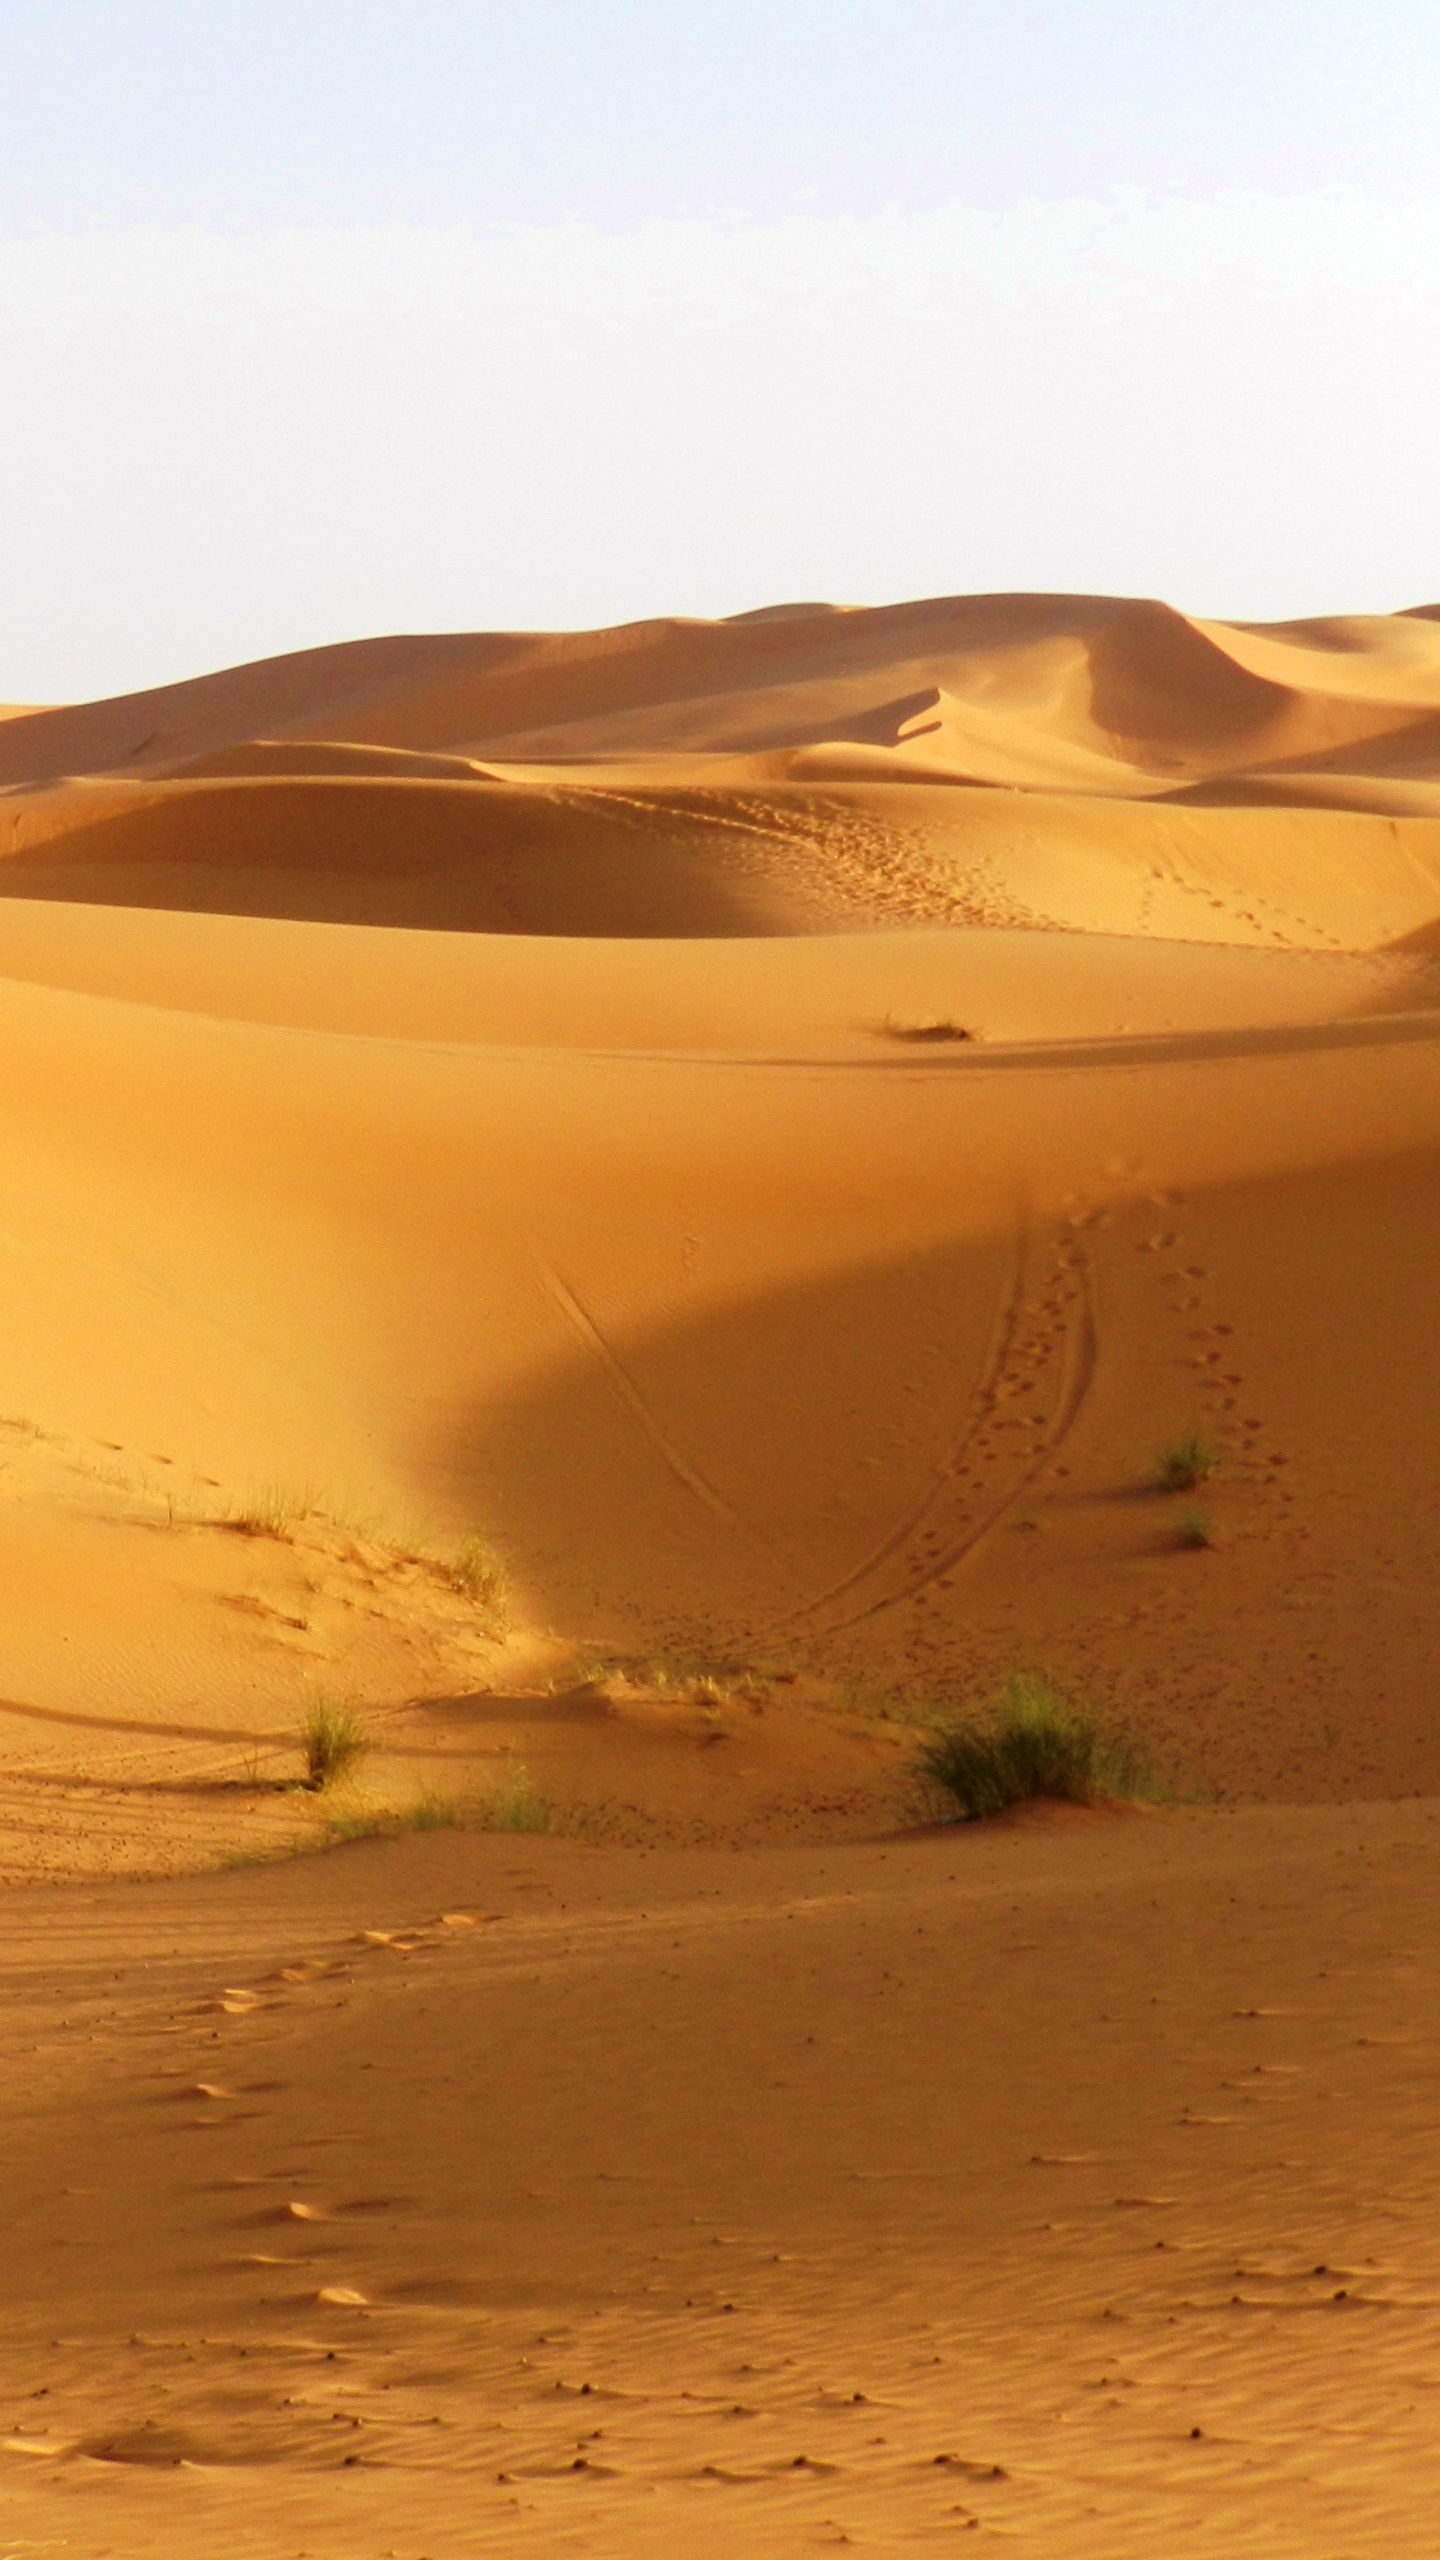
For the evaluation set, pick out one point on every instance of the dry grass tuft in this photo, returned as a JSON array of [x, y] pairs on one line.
[[478, 1574], [940, 1028], [270, 1511], [332, 1739]]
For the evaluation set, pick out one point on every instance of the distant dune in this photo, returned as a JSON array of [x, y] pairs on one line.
[[816, 767]]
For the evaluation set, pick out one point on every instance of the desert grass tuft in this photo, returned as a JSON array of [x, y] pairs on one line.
[[388, 1822], [1035, 1742], [517, 1804], [478, 1574], [938, 1028], [270, 1511], [1186, 1463], [1194, 1528], [332, 1739]]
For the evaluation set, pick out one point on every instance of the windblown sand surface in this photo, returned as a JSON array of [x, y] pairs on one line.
[[774, 1124]]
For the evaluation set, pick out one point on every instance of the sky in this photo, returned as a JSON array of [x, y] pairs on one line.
[[341, 316]]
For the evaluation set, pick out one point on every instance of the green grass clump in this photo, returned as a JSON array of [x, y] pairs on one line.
[[435, 1813], [427, 1813], [1185, 1464], [1035, 1742], [1194, 1528], [478, 1575], [332, 1739], [516, 1804]]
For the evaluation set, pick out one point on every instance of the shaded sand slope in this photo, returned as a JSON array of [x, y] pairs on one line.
[[1071, 2183]]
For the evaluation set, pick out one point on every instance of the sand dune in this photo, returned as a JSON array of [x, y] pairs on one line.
[[775, 1124], [689, 1189], [967, 760]]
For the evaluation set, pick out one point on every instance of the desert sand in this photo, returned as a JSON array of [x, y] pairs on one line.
[[771, 1126]]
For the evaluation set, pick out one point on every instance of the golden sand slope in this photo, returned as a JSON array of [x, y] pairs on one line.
[[775, 1124]]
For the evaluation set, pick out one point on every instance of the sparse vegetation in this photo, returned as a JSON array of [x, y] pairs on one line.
[[1186, 1463], [1034, 1742], [436, 1813], [427, 1813], [270, 1511], [478, 1574], [332, 1739], [1194, 1528], [941, 1027], [515, 1803]]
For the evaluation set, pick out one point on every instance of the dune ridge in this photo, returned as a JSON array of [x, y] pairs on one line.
[[770, 773]]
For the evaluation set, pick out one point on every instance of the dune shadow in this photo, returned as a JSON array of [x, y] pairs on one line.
[[73, 1719], [476, 858], [720, 1479]]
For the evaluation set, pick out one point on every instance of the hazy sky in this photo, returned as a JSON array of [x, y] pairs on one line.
[[346, 315]]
